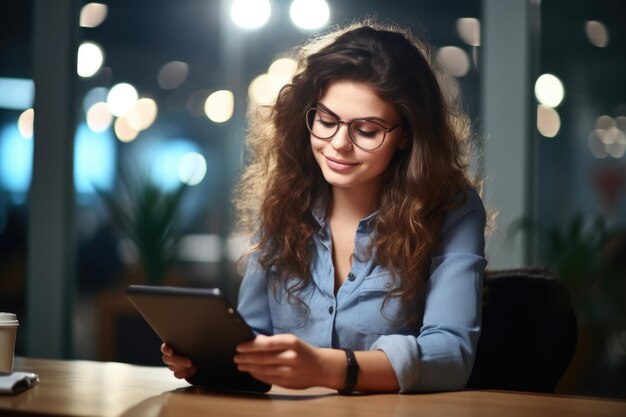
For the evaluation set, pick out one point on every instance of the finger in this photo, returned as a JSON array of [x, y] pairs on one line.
[[166, 350], [176, 369], [263, 343], [185, 373], [285, 357], [264, 371], [168, 360], [177, 360]]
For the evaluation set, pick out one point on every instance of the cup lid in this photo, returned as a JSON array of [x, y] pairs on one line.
[[8, 318]]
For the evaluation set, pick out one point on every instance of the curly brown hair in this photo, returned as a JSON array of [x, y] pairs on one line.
[[282, 181]]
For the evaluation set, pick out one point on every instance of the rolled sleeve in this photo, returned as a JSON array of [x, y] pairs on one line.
[[452, 322], [403, 354], [441, 357]]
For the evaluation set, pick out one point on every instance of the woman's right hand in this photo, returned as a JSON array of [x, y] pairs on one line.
[[182, 366]]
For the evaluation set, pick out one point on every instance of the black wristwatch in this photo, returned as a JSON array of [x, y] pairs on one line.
[[352, 373]]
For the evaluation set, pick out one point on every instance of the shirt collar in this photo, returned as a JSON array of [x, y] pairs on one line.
[[319, 214]]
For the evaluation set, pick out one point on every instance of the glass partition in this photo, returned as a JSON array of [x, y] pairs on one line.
[[581, 178], [16, 148]]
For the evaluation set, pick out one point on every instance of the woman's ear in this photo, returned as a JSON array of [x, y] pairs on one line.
[[404, 141]]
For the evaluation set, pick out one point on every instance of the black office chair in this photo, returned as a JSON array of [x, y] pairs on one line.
[[529, 331]]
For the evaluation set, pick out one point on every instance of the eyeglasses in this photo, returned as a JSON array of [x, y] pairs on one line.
[[364, 133]]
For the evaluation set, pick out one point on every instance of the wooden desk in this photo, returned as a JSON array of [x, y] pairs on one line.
[[84, 388]]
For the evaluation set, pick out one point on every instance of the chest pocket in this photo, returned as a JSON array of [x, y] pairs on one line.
[[289, 314], [378, 313]]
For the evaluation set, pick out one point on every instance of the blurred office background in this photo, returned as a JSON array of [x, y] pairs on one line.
[[144, 111]]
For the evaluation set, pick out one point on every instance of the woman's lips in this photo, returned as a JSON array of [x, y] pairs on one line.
[[338, 164]]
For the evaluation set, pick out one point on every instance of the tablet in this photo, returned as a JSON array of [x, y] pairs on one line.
[[202, 325]]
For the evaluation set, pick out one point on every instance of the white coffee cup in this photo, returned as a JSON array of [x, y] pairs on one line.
[[8, 333]]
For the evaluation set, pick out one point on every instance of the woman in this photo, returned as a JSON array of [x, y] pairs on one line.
[[367, 269]]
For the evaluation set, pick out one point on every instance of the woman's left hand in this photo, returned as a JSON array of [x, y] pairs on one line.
[[287, 361]]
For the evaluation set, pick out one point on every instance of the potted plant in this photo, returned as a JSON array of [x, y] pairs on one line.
[[147, 215], [589, 257], [583, 253]]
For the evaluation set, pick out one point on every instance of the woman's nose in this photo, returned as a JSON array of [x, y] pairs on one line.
[[342, 140]]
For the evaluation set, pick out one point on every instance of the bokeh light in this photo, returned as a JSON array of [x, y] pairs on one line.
[[454, 60], [617, 147], [468, 29], [143, 115], [99, 118], [548, 121], [283, 67], [605, 122], [309, 14], [122, 98], [162, 158], [611, 136], [607, 142], [264, 89], [596, 144], [549, 90], [192, 168], [25, 123], [219, 106], [597, 33], [90, 59], [93, 14], [250, 14], [124, 131], [172, 75]]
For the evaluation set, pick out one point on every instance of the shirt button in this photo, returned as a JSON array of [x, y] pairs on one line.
[[351, 276], [330, 310], [388, 285]]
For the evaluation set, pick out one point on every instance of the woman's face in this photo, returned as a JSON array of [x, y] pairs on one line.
[[343, 164]]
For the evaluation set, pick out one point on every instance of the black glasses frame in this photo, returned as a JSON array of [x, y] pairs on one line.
[[310, 113]]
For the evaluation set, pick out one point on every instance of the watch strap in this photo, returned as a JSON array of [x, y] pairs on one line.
[[352, 373]]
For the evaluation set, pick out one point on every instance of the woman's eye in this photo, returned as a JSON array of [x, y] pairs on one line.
[[368, 132], [327, 123]]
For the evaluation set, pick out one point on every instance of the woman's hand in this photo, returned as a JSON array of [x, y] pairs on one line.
[[287, 361], [182, 366]]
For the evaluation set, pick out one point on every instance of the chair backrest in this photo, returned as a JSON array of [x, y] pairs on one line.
[[529, 331]]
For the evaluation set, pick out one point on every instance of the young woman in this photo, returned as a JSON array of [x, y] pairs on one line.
[[367, 267]]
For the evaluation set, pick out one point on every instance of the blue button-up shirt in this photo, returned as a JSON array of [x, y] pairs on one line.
[[437, 353]]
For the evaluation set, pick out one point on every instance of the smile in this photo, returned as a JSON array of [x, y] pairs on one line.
[[339, 165]]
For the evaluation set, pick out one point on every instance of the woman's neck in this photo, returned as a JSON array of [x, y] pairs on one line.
[[353, 203]]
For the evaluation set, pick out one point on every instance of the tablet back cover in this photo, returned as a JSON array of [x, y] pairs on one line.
[[200, 324]]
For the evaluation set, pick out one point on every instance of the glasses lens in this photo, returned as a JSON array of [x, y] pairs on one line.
[[367, 135], [321, 124]]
